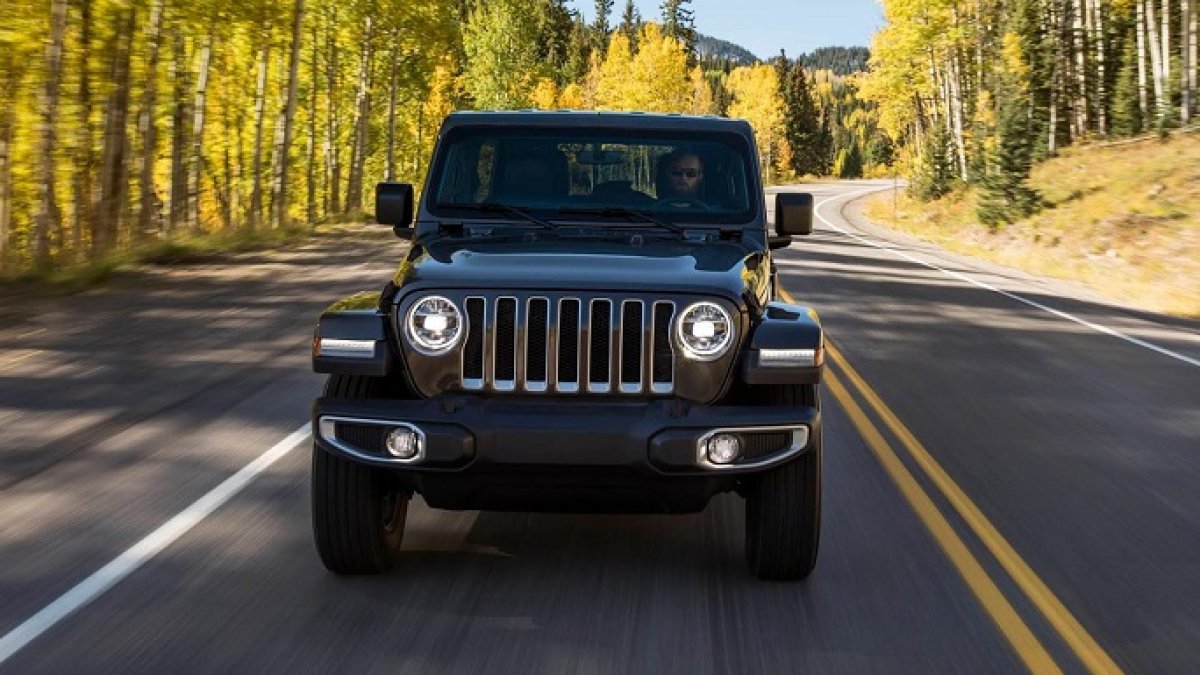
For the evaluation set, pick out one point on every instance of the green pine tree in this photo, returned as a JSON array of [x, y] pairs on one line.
[[1126, 111], [1007, 196], [802, 123], [679, 23], [935, 173]]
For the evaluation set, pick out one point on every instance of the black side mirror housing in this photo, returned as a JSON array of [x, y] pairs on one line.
[[394, 204], [793, 213]]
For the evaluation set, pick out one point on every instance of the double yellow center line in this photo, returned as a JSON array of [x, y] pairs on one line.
[[1009, 622]]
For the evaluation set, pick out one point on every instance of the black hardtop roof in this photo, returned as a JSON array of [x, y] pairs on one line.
[[600, 119]]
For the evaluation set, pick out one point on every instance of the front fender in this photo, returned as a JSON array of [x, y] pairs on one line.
[[353, 338], [787, 347]]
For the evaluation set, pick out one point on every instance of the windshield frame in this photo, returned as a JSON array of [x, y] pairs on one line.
[[738, 144]]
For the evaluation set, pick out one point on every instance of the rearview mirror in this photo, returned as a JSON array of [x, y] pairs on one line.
[[394, 204], [793, 213]]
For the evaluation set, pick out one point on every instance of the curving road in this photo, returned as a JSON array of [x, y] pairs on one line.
[[1010, 485]]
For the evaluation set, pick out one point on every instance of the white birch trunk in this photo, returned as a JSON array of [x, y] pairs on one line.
[[177, 192], [1166, 43], [333, 162], [1193, 48], [311, 147], [279, 194], [197, 155], [1143, 101], [362, 110], [956, 102], [1187, 50], [1101, 92], [260, 115], [147, 127], [389, 171]]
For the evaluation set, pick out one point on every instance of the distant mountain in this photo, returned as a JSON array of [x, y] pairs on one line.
[[841, 60], [709, 49]]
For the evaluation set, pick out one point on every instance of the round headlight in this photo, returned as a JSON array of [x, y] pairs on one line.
[[704, 331], [434, 325]]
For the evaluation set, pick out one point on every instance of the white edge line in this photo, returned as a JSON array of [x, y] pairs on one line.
[[962, 277], [151, 545]]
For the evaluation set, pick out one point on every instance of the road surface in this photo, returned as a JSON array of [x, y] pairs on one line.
[[1010, 485]]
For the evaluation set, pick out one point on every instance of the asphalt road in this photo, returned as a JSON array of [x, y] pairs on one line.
[[1006, 489]]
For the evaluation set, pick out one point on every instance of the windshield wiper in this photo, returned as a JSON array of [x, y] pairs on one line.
[[492, 207], [623, 212]]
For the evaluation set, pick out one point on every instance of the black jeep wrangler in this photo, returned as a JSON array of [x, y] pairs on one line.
[[587, 320]]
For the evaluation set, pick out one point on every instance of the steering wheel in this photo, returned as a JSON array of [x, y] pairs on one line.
[[683, 203]]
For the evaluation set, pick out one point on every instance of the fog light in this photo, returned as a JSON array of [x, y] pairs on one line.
[[724, 449], [402, 443]]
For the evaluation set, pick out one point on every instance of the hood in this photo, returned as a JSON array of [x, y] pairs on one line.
[[727, 269]]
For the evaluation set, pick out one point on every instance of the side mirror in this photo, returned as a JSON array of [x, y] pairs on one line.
[[793, 213], [394, 204]]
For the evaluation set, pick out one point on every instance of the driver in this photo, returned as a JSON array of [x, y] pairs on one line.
[[683, 176]]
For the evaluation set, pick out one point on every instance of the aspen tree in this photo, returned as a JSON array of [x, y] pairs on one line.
[[279, 186], [49, 217]]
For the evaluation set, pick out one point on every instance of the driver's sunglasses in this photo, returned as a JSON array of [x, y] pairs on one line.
[[686, 173]]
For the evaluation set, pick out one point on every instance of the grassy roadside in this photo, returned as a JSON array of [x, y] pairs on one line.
[[190, 249], [1123, 219]]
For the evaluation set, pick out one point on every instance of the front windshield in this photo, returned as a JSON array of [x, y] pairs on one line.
[[588, 173]]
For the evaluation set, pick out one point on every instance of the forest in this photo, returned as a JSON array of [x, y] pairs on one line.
[[977, 92], [128, 123]]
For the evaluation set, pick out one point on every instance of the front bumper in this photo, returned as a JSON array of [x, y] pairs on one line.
[[553, 454]]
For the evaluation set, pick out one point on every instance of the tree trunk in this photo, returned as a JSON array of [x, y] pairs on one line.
[[279, 187], [1166, 45], [311, 146], [7, 122], [1056, 78], [362, 111], [197, 157], [113, 178], [956, 103], [178, 189], [260, 114], [147, 127], [1079, 103], [1156, 67], [85, 153], [48, 217], [1187, 51], [389, 171], [1101, 91], [1143, 102], [332, 147], [225, 193], [1194, 66]]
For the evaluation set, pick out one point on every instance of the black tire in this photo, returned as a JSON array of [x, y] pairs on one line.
[[358, 513], [783, 506]]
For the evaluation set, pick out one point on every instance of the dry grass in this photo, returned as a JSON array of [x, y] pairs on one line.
[[1122, 219]]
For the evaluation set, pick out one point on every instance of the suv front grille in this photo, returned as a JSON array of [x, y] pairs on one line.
[[568, 345]]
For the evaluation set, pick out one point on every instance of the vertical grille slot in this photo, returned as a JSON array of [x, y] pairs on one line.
[[632, 327], [536, 343], [506, 344], [663, 366], [600, 338], [472, 365], [568, 345]]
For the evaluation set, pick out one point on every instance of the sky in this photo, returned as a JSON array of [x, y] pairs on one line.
[[766, 26]]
